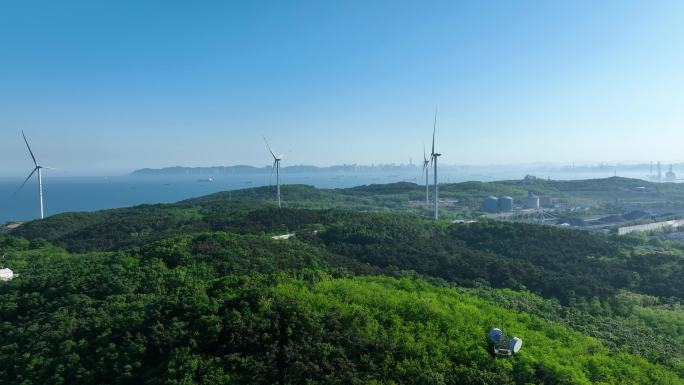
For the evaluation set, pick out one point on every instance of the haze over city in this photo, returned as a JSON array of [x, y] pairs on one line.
[[111, 87]]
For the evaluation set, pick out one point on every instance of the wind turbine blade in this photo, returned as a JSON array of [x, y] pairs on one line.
[[26, 180], [269, 148], [424, 155], [272, 171], [29, 148], [434, 128]]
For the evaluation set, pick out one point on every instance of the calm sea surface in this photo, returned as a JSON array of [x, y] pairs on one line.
[[62, 194]]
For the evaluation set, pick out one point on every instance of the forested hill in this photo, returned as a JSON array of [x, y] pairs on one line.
[[406, 196], [199, 292], [250, 170]]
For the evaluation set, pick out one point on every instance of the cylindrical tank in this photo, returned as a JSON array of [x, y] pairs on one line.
[[515, 344], [491, 204], [495, 335], [505, 203]]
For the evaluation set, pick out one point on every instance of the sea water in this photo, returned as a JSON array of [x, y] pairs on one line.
[[64, 194]]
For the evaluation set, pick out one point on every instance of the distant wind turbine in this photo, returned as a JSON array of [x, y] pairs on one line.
[[38, 168], [276, 168], [426, 171], [433, 159]]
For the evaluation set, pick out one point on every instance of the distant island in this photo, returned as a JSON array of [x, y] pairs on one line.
[[644, 170], [243, 169]]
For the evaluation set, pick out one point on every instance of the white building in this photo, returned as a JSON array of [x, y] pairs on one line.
[[531, 201]]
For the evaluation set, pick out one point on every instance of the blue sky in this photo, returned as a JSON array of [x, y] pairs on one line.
[[107, 87]]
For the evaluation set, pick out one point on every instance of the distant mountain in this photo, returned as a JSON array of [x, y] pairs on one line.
[[243, 169], [644, 169]]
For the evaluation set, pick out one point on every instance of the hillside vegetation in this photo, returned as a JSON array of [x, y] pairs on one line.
[[198, 292]]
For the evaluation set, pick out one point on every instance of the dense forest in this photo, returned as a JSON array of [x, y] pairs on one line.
[[199, 292]]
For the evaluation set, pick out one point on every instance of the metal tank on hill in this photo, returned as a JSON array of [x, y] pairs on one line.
[[491, 204], [506, 203]]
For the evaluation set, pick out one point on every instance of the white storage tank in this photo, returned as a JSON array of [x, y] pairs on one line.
[[506, 203], [515, 344]]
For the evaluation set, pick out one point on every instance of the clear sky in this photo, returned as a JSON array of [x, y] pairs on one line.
[[110, 86]]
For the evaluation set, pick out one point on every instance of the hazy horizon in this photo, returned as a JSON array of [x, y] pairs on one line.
[[583, 166]]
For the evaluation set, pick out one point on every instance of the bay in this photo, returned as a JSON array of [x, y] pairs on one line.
[[65, 194]]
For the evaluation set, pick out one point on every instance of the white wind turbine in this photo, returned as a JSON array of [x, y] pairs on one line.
[[276, 168], [426, 172], [38, 168], [433, 159]]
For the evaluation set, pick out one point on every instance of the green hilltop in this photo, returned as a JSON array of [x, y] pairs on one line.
[[366, 291]]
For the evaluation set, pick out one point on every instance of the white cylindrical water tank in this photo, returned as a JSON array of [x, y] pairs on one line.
[[515, 344]]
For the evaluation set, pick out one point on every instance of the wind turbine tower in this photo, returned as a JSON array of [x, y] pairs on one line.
[[433, 159], [426, 172], [39, 169], [276, 169]]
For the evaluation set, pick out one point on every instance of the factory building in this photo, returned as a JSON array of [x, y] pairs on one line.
[[547, 201], [505, 203], [531, 201], [491, 204]]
